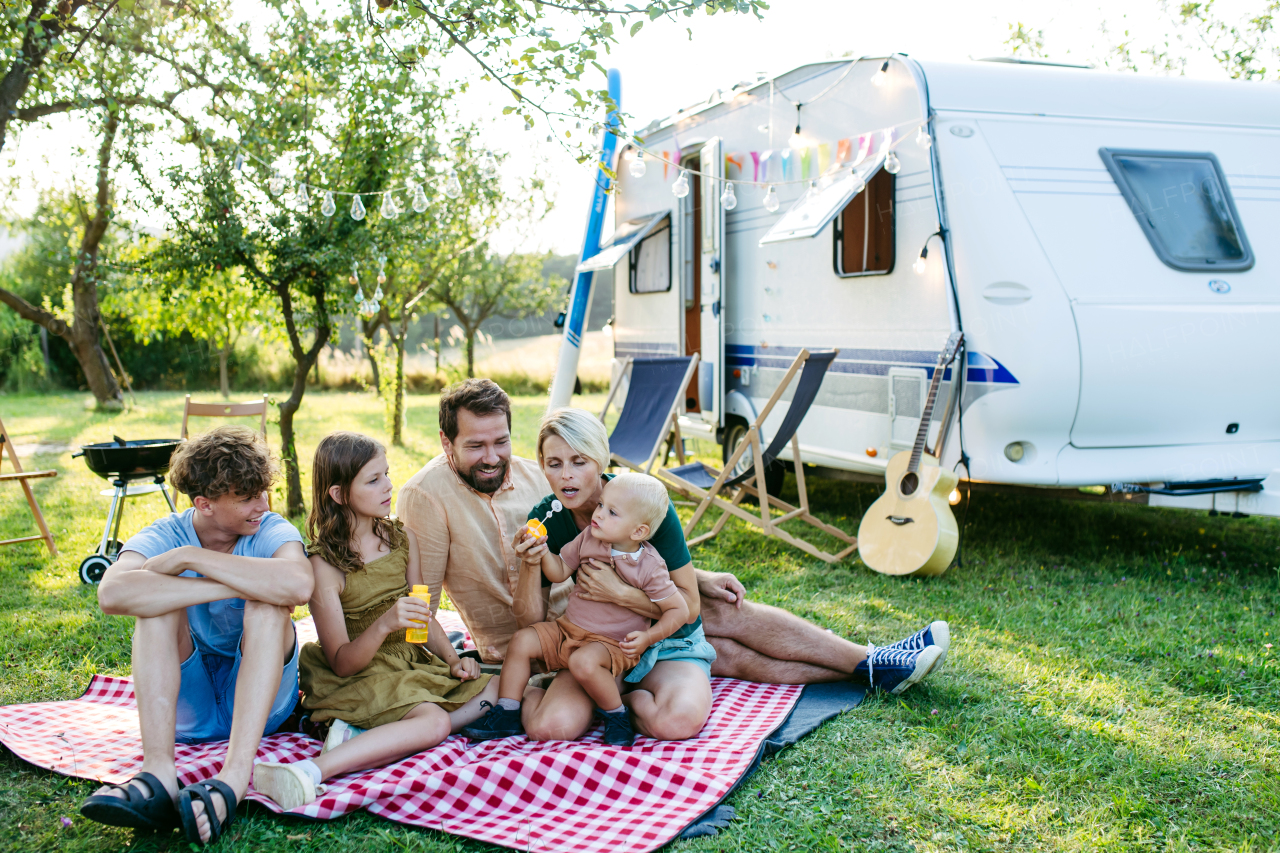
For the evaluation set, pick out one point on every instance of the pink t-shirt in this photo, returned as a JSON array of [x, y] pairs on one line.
[[644, 570]]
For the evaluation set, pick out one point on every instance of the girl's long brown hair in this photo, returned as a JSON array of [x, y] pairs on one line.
[[330, 525]]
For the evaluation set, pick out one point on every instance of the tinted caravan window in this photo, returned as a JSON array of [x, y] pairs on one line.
[[864, 230], [651, 261], [1183, 204]]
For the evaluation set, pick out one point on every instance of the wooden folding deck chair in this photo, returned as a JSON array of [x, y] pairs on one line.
[[702, 481], [21, 477], [649, 416], [228, 410]]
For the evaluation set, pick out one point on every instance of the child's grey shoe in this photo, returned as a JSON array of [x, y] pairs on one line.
[[339, 733], [617, 727], [497, 722]]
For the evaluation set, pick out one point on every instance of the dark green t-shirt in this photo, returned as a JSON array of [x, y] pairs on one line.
[[668, 540]]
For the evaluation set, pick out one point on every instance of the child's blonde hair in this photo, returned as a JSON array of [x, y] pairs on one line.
[[649, 494]]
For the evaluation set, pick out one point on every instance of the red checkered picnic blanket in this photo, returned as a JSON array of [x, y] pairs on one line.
[[552, 796]]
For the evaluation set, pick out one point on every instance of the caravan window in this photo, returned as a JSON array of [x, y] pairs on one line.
[[1183, 205], [864, 230], [651, 261]]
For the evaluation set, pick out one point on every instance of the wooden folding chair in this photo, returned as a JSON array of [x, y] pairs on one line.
[[651, 411], [702, 481], [228, 410], [21, 477]]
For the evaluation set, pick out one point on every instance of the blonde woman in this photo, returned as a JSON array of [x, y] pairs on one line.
[[727, 635]]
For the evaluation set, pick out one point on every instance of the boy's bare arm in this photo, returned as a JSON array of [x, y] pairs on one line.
[[554, 568]]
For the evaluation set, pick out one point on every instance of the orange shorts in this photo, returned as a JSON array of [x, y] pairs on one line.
[[561, 638]]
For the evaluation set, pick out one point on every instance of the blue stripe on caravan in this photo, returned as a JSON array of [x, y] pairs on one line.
[[871, 362]]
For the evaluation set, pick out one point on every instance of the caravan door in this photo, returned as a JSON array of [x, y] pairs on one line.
[[710, 257]]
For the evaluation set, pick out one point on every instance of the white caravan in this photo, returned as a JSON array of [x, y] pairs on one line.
[[1101, 240]]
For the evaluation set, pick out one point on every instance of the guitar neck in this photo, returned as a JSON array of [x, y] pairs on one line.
[[922, 434]]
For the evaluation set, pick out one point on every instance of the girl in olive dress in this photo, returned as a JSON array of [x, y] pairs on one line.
[[363, 675]]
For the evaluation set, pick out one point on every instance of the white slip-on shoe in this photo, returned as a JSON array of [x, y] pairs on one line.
[[287, 784], [339, 733]]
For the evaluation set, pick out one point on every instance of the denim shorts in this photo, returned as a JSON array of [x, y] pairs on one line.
[[689, 644], [207, 695]]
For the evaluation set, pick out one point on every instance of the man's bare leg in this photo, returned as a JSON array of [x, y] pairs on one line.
[[734, 660], [774, 633], [267, 643], [671, 702], [561, 712], [160, 645]]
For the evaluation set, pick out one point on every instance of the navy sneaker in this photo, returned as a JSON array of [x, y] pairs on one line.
[[617, 727], [934, 634], [497, 722], [894, 670]]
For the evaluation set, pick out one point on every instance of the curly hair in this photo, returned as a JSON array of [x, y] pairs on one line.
[[226, 460], [480, 397], [331, 524]]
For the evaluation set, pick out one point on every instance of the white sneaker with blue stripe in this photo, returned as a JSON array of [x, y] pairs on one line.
[[339, 733], [934, 634], [894, 670]]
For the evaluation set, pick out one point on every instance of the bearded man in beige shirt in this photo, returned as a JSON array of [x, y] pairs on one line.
[[465, 507]]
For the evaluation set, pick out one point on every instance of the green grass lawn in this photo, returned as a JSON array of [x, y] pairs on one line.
[[1110, 684]]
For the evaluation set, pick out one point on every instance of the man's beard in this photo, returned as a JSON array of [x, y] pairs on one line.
[[488, 485]]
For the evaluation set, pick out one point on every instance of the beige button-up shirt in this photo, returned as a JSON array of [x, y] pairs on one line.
[[464, 541]]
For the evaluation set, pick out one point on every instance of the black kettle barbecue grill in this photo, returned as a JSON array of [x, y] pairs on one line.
[[123, 464]]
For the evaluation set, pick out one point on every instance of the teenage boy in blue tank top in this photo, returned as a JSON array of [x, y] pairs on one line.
[[211, 590]]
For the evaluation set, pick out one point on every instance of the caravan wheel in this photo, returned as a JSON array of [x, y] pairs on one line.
[[734, 433]]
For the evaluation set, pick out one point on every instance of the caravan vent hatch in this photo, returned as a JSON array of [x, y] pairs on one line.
[[623, 241], [817, 207]]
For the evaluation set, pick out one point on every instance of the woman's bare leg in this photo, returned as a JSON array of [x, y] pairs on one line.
[[671, 702], [561, 712]]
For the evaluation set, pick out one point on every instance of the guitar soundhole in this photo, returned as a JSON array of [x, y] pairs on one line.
[[910, 481]]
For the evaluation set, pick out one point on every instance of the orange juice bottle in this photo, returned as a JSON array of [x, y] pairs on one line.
[[419, 635]]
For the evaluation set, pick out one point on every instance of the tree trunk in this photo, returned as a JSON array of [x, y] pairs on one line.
[[471, 353], [82, 334], [222, 372], [437, 344], [397, 424], [303, 360], [368, 351]]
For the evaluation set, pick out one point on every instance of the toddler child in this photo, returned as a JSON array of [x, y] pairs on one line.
[[363, 674], [595, 640]]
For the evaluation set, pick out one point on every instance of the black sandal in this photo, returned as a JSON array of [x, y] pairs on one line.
[[190, 827], [135, 810]]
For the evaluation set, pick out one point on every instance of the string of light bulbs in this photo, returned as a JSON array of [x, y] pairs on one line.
[[389, 209]]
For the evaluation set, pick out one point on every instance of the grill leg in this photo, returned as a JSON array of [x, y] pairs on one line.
[[115, 534], [112, 515], [164, 490]]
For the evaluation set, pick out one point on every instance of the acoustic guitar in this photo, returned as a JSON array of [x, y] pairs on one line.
[[910, 530]]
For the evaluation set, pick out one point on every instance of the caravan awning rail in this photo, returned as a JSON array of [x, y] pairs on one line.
[[623, 241]]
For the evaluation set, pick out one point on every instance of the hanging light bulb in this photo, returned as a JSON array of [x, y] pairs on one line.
[[880, 76], [355, 280], [488, 164], [389, 210], [304, 197], [771, 202], [377, 294], [357, 208], [453, 186], [680, 188], [727, 199], [921, 263], [327, 207], [859, 183], [528, 124], [891, 163], [239, 164], [419, 199], [382, 274], [923, 139], [360, 295], [276, 184], [797, 139], [638, 167]]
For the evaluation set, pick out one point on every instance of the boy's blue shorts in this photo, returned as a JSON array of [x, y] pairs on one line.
[[207, 696]]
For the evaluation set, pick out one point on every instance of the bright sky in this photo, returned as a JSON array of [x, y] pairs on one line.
[[662, 70]]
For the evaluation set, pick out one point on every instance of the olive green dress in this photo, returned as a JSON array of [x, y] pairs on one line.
[[400, 676]]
